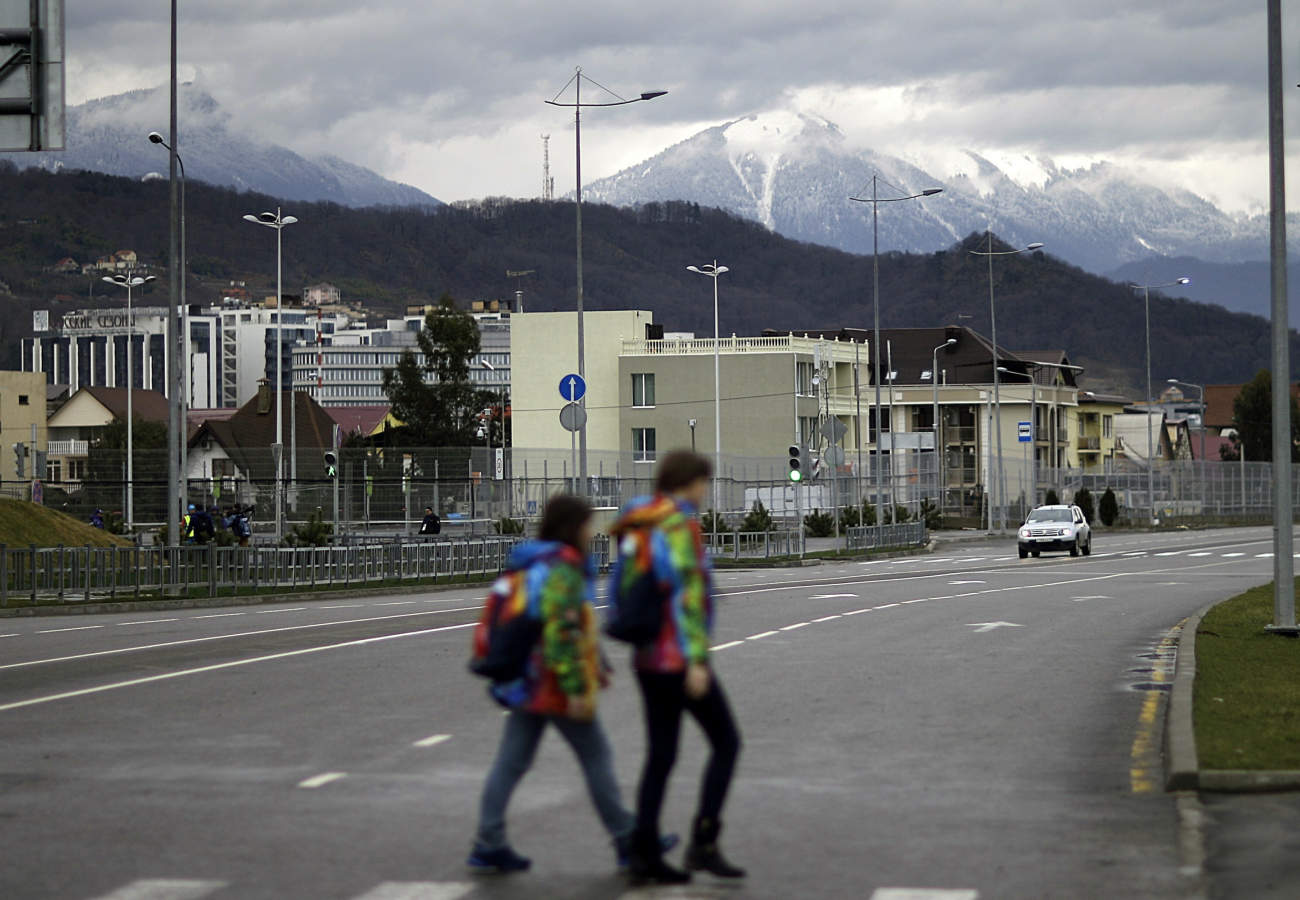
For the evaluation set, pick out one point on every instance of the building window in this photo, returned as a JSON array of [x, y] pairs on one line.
[[1107, 426], [807, 428], [23, 401], [643, 445], [803, 378], [54, 471], [76, 470], [643, 389]]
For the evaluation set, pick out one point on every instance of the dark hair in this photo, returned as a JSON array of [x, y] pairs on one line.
[[679, 468], [429, 508], [562, 520]]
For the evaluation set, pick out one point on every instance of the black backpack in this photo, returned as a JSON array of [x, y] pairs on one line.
[[636, 596]]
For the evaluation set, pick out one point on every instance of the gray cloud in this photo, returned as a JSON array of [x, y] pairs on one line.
[[448, 94]]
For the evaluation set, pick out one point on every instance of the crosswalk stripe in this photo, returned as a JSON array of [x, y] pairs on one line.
[[418, 890], [164, 889], [924, 894]]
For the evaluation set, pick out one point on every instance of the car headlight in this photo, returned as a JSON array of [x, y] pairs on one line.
[[1065, 532]]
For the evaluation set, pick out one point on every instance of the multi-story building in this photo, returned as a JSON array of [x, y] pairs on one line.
[[22, 409], [321, 294]]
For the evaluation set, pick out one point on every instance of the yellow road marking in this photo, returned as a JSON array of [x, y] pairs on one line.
[[1145, 759]]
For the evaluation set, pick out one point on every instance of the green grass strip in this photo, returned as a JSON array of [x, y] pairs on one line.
[[1247, 693]]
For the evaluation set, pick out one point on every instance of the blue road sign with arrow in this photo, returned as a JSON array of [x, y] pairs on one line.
[[573, 388]]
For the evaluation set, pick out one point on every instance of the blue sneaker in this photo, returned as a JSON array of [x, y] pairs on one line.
[[623, 847], [499, 861]]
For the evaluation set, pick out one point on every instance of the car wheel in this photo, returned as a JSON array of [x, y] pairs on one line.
[[1024, 554], [1074, 548], [1035, 553], [1087, 548]]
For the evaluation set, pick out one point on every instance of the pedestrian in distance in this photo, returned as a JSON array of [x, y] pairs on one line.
[[663, 569], [539, 642], [431, 524], [97, 519]]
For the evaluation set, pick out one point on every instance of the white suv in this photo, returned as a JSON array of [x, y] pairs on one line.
[[1055, 528]]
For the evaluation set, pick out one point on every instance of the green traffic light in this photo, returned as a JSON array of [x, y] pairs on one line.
[[796, 475]]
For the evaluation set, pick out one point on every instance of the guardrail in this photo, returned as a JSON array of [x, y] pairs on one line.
[[878, 537], [65, 574], [755, 544]]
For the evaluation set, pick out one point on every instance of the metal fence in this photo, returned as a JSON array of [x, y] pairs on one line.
[[877, 537], [755, 544]]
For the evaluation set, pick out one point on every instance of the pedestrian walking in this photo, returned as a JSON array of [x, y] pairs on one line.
[[661, 563], [540, 621], [97, 519], [431, 523]]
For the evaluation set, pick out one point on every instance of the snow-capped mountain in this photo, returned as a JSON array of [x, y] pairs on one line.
[[795, 173], [111, 135]]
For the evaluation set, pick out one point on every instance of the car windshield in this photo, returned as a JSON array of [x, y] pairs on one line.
[[1051, 515]]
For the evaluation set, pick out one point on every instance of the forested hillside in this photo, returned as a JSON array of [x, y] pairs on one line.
[[390, 257]]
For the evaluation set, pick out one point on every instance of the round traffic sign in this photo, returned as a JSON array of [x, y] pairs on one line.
[[572, 417], [573, 388]]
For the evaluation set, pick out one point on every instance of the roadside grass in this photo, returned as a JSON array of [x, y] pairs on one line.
[[1246, 699], [23, 524]]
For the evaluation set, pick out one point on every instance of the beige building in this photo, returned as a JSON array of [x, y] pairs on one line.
[[22, 405], [81, 421]]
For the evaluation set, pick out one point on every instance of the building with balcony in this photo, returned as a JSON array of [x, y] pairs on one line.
[[1095, 441], [77, 424]]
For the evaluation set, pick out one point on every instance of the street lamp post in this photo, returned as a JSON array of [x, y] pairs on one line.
[[713, 271], [129, 281], [577, 107], [1151, 460], [176, 425], [997, 394], [1201, 403], [277, 221], [181, 441], [934, 380], [875, 200]]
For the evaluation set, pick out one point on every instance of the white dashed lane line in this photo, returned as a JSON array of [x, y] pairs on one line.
[[262, 612], [225, 615], [827, 618], [76, 628], [795, 625], [145, 622], [760, 635], [322, 779], [432, 740]]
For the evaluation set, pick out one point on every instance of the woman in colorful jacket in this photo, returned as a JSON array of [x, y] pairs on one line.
[[673, 670], [559, 688]]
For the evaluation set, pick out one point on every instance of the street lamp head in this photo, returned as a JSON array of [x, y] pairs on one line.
[[148, 279], [267, 217], [288, 220], [1036, 245], [720, 269], [931, 192], [1173, 380], [694, 269], [1184, 281], [650, 95], [110, 280], [155, 137], [950, 341], [253, 219]]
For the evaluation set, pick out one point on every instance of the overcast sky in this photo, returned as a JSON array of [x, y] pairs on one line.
[[448, 95]]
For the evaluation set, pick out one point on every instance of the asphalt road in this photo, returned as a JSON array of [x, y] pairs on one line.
[[965, 721]]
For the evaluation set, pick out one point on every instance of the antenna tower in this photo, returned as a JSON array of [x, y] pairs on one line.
[[548, 183]]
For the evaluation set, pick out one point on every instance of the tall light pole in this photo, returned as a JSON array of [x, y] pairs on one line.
[[176, 426], [934, 380], [997, 392], [129, 281], [577, 107], [875, 200], [277, 221], [181, 441], [1151, 460], [713, 271]]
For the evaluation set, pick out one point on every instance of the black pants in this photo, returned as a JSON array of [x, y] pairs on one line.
[[665, 700]]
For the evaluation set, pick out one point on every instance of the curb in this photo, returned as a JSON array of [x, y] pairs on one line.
[[1182, 767], [87, 609]]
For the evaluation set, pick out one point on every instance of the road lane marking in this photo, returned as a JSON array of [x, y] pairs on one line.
[[1171, 553], [825, 618], [892, 893], [1202, 553], [968, 582], [145, 622], [355, 605], [887, 605], [217, 667], [396, 603], [76, 628], [218, 616], [432, 740], [322, 779], [263, 612], [795, 625], [981, 627], [222, 637], [1145, 754], [1229, 555], [418, 890], [760, 635], [726, 645], [830, 596], [1263, 556], [15, 634], [164, 889], [856, 611]]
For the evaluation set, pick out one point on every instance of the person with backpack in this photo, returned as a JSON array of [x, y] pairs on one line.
[[538, 641], [662, 601]]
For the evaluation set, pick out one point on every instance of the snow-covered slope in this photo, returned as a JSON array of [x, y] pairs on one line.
[[111, 135], [795, 172]]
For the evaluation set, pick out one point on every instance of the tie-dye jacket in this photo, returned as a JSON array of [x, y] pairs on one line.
[[566, 662], [685, 575]]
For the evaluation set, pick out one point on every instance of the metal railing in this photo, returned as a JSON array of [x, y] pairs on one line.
[[63, 574], [879, 537], [755, 544]]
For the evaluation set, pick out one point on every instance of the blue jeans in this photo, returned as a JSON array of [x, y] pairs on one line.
[[523, 733]]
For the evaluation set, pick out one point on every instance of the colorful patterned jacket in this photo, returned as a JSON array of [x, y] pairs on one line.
[[566, 662], [686, 578]]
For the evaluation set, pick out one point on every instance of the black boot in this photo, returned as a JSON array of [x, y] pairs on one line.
[[704, 853], [646, 862]]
